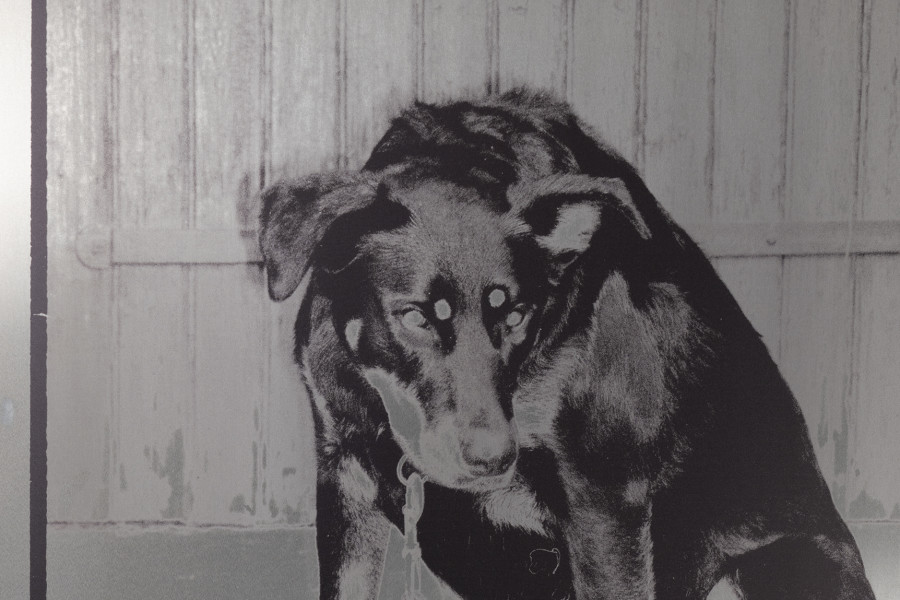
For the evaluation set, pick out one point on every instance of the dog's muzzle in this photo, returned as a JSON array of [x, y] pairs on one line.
[[489, 453]]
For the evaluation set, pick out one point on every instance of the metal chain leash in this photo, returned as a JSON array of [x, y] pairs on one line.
[[412, 511]]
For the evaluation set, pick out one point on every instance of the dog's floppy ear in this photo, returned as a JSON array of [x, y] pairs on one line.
[[299, 217], [565, 212]]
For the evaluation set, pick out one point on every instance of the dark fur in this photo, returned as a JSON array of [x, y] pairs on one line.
[[658, 447]]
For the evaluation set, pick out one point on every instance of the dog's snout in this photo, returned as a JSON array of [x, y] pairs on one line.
[[489, 452]]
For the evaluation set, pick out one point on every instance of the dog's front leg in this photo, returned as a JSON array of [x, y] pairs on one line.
[[351, 534], [608, 535]]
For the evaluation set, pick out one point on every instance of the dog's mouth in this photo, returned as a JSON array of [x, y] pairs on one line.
[[443, 458], [486, 483], [449, 472], [476, 459]]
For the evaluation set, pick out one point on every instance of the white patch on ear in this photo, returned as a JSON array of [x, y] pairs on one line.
[[351, 333], [575, 225]]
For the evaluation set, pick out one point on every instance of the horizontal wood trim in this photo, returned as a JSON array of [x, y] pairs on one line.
[[104, 248], [797, 239], [187, 246]]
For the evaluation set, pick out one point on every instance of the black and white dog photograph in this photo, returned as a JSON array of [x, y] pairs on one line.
[[473, 299]]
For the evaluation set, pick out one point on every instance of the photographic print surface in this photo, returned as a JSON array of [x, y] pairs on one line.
[[181, 442]]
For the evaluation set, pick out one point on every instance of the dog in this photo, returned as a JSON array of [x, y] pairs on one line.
[[497, 297]]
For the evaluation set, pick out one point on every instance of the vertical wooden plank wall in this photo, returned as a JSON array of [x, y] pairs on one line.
[[383, 58], [748, 131], [873, 486], [173, 393], [872, 491], [607, 71], [532, 43], [301, 136], [457, 54], [153, 375], [80, 344], [822, 147], [679, 106], [229, 304]]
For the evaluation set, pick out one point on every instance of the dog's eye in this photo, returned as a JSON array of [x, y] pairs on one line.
[[413, 318], [515, 317]]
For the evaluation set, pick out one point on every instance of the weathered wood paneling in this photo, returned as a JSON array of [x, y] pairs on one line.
[[230, 417], [153, 416], [383, 50], [459, 36], [874, 486], [817, 320], [227, 115], [880, 157], [679, 106], [304, 137], [302, 88], [748, 146], [749, 111], [873, 490], [80, 133], [230, 338], [289, 469], [606, 70], [816, 356], [532, 44], [153, 370]]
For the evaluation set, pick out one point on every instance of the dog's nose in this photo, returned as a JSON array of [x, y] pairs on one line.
[[489, 452]]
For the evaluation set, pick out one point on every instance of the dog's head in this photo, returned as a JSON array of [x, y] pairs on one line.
[[435, 295]]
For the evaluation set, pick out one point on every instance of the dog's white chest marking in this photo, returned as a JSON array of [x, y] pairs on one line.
[[514, 506]]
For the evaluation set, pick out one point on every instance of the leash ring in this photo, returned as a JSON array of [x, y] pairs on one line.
[[400, 464], [404, 460]]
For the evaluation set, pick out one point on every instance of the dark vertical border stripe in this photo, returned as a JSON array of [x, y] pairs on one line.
[[38, 486]]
